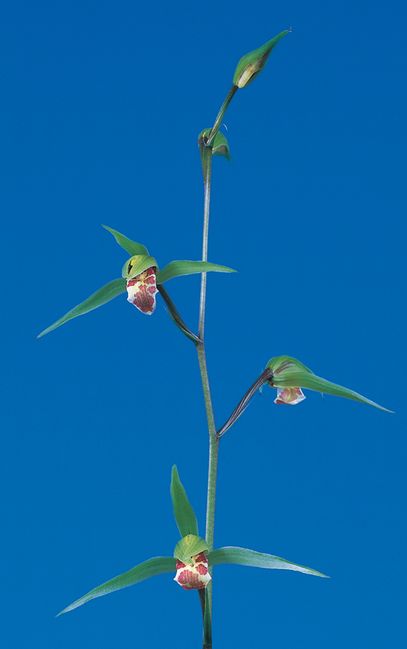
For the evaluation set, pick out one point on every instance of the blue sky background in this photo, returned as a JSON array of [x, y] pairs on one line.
[[101, 106]]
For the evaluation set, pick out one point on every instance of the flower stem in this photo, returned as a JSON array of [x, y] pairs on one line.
[[213, 449], [176, 316], [245, 400], [206, 155], [220, 115]]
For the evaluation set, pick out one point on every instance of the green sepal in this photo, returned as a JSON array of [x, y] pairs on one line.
[[136, 265], [289, 372], [220, 145], [185, 267], [184, 514], [145, 570], [189, 547], [130, 246], [246, 557], [253, 62], [97, 299]]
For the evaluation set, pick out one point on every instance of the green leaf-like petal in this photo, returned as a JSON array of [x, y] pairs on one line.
[[130, 246], [183, 511], [178, 268], [252, 63], [97, 299], [289, 372], [189, 546], [145, 570], [245, 557], [220, 145]]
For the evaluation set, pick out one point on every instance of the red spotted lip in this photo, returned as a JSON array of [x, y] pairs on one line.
[[142, 290], [195, 576]]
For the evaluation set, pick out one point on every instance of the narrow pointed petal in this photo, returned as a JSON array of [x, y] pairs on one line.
[[184, 514], [145, 570], [186, 267], [130, 246], [97, 299], [246, 557]]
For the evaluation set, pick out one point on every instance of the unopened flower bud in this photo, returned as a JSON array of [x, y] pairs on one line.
[[252, 63], [194, 575]]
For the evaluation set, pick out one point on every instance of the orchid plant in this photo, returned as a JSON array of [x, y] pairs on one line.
[[195, 557]]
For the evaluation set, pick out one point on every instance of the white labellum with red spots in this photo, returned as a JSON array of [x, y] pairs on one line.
[[142, 290], [195, 575], [289, 396]]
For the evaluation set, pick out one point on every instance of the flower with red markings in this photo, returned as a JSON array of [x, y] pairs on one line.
[[142, 279], [140, 273], [142, 289], [195, 575], [191, 556]]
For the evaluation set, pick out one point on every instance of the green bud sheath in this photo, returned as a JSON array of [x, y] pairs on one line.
[[220, 145]]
